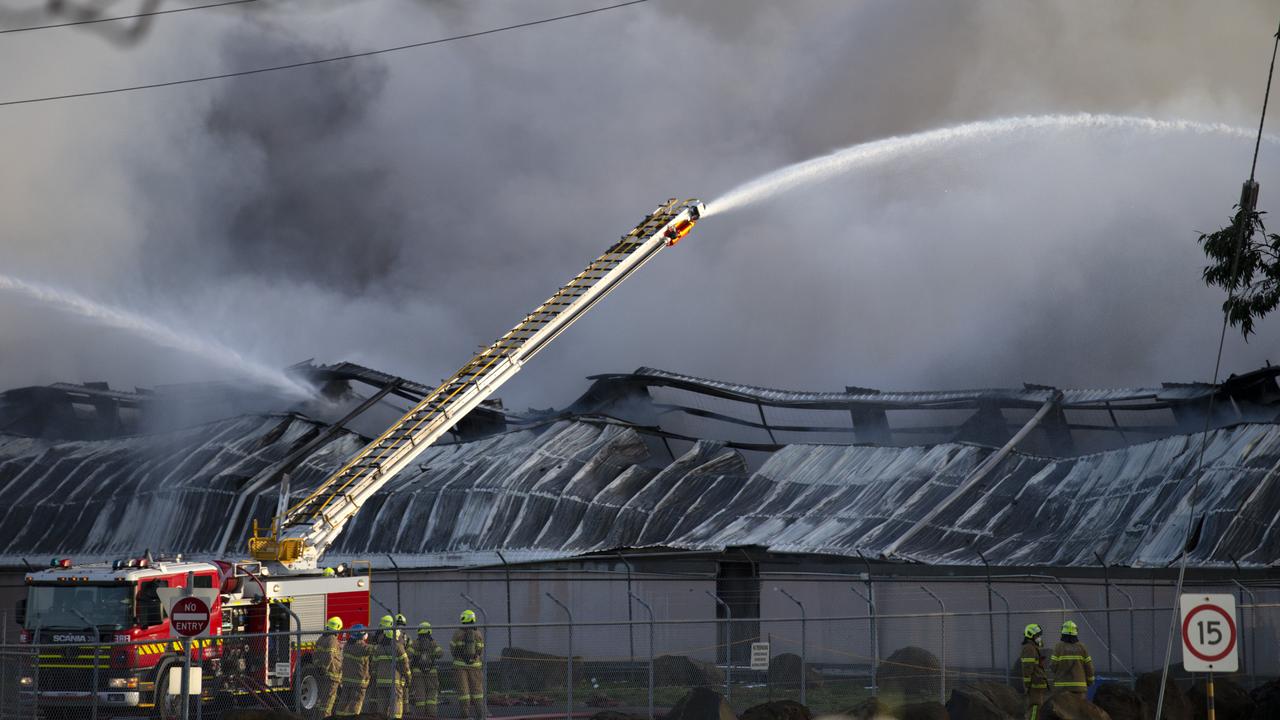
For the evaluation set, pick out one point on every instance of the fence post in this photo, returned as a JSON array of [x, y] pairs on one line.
[[569, 708], [869, 598], [506, 569], [484, 663], [1008, 640], [649, 610], [35, 677], [943, 663], [728, 647], [804, 645], [97, 642], [1248, 654], [1133, 656], [991, 614], [1106, 582], [297, 674], [631, 634]]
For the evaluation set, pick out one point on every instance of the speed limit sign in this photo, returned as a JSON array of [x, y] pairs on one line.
[[1209, 633]]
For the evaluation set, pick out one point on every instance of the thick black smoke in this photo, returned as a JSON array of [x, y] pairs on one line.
[[402, 210]]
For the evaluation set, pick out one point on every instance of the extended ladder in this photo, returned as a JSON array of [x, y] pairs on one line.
[[303, 532]]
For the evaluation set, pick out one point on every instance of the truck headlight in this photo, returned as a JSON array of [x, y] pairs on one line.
[[25, 682], [122, 683]]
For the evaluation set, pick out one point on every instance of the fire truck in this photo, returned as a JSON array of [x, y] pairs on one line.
[[104, 634]]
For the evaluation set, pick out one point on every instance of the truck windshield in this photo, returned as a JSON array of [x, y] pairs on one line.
[[55, 606]]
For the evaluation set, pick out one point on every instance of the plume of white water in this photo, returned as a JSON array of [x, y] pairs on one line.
[[881, 151], [156, 332]]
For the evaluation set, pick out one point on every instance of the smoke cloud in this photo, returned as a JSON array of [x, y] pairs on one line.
[[399, 211]]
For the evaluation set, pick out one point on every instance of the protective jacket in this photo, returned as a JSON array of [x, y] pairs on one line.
[[328, 656], [1033, 674], [355, 663], [467, 647], [424, 653], [1072, 667], [390, 664]]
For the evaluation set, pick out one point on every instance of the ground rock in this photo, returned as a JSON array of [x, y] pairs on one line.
[[777, 710], [1122, 702], [910, 672], [681, 671], [1002, 696], [701, 704], [1266, 700], [932, 710], [967, 703], [784, 669], [1230, 701], [521, 670], [1071, 706], [1176, 705]]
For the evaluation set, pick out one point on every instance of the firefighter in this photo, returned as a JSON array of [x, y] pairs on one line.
[[390, 669], [328, 661], [1072, 665], [402, 634], [467, 648], [423, 654], [355, 673], [1035, 682]]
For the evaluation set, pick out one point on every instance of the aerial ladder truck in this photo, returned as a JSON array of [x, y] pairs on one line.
[[70, 605]]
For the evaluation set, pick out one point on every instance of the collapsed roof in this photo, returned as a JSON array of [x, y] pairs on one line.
[[575, 483]]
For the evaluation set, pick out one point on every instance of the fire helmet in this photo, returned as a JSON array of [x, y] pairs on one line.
[[1070, 628], [468, 617], [424, 628], [334, 623], [1032, 631]]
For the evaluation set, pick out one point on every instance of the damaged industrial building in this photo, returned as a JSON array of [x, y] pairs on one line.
[[681, 483]]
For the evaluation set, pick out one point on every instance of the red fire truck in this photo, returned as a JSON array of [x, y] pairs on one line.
[[69, 607], [119, 602]]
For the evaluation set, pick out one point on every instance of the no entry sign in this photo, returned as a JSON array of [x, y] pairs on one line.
[[190, 617], [1210, 636]]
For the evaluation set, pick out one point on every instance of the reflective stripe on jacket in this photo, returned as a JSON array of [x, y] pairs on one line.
[[390, 662], [424, 653], [327, 656], [355, 663], [1072, 666], [1033, 675], [467, 647]]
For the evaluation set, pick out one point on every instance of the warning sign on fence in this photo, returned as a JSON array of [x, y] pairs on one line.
[[760, 656], [1209, 633]]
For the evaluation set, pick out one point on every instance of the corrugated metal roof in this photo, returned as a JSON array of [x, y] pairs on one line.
[[576, 487]]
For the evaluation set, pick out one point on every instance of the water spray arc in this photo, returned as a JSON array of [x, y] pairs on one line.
[[156, 332], [876, 152]]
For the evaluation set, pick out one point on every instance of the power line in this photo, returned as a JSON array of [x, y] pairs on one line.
[[320, 61], [124, 17]]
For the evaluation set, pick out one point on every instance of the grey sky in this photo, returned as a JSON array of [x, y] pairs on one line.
[[401, 211]]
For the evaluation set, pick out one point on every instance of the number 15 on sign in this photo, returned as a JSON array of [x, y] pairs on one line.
[[1209, 633]]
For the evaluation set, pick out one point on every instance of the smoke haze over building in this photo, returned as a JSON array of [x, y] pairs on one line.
[[401, 210]]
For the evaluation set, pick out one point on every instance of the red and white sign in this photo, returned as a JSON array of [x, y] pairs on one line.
[[1210, 636], [189, 617]]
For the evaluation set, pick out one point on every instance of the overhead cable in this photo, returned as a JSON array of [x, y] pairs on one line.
[[318, 61], [152, 13]]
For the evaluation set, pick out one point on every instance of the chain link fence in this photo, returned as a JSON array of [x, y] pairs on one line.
[[830, 650]]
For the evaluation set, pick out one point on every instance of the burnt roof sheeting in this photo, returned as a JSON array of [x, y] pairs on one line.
[[576, 487]]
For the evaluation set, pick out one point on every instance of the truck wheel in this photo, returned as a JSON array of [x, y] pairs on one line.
[[309, 692], [168, 707]]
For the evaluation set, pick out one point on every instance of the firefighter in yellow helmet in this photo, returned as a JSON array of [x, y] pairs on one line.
[[327, 657], [467, 648], [1072, 665], [402, 622], [1034, 681], [425, 686], [390, 669], [355, 673]]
